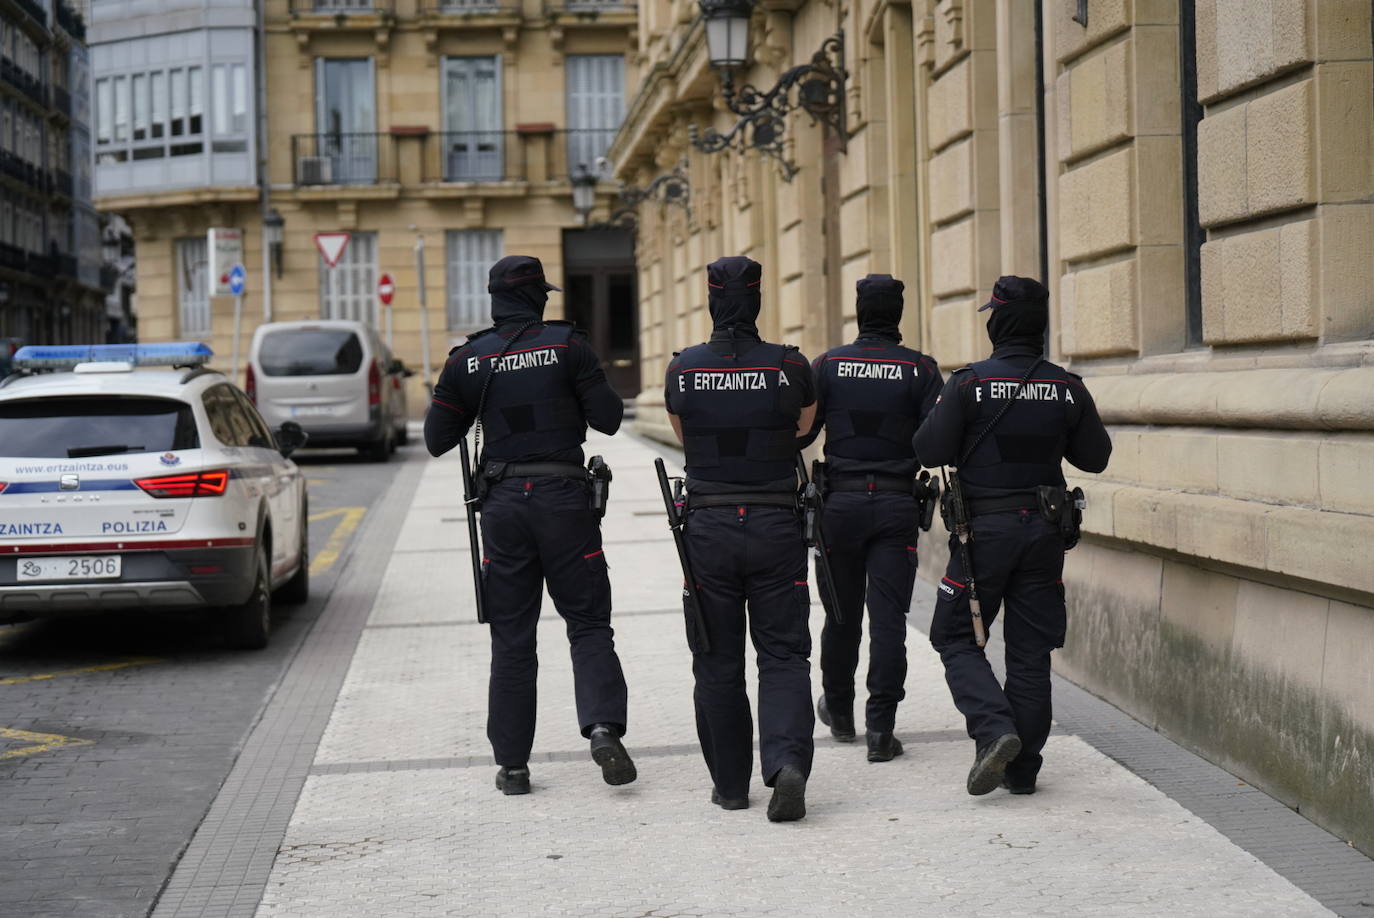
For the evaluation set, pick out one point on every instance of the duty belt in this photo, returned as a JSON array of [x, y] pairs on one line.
[[756, 499], [977, 506], [542, 470], [869, 483]]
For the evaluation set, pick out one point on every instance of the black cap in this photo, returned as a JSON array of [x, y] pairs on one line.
[[515, 271], [734, 272], [1013, 289], [879, 285]]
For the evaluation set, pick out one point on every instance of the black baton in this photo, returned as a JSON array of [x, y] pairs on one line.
[[814, 508], [472, 505], [677, 518]]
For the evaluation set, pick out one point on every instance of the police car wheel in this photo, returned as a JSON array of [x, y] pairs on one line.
[[248, 626], [296, 591]]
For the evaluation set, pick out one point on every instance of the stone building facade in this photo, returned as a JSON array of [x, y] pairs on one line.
[[456, 121], [1193, 180]]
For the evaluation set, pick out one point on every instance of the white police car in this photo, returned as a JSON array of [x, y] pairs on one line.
[[132, 476]]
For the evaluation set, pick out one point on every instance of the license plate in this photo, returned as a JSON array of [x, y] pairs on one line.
[[80, 567], [312, 410]]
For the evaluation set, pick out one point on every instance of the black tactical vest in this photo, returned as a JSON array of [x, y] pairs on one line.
[[531, 407], [872, 405], [736, 425], [1026, 448]]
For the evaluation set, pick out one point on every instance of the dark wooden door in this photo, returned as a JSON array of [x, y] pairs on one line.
[[600, 296]]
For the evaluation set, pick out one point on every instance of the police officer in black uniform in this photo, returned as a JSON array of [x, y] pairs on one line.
[[871, 397], [739, 406], [1007, 423], [537, 523]]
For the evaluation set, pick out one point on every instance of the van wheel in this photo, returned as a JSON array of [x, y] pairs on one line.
[[296, 591], [403, 436], [248, 626], [379, 451]]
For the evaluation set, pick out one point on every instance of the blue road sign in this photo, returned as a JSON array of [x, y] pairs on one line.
[[238, 279]]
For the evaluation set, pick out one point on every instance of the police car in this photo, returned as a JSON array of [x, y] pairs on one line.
[[134, 477]]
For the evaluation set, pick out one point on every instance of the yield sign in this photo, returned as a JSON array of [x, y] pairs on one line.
[[331, 246], [386, 289]]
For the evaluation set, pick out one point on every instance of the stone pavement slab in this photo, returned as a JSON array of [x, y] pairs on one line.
[[399, 816]]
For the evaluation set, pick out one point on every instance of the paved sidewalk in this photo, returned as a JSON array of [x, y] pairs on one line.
[[399, 816]]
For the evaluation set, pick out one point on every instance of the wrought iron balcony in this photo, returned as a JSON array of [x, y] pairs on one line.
[[341, 7], [62, 101], [343, 159], [468, 7], [512, 156]]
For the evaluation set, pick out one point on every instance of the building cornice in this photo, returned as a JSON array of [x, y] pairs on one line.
[[181, 198]]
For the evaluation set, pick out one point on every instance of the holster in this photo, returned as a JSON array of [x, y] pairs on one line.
[[1062, 509], [947, 514], [820, 474], [599, 477], [488, 473], [926, 490]]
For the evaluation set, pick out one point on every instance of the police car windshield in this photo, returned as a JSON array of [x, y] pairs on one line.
[[311, 352], [74, 426]]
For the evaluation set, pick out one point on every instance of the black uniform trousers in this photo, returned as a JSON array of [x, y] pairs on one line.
[[1019, 561], [752, 556], [535, 531], [871, 537]]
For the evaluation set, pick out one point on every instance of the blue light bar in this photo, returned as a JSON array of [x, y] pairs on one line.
[[69, 356]]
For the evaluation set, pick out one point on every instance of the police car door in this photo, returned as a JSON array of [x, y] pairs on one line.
[[280, 480]]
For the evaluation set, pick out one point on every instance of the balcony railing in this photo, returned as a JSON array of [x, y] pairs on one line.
[[62, 100], [467, 7], [64, 265], [35, 10], [590, 6], [344, 159], [340, 7], [71, 21], [445, 157], [62, 182], [13, 257]]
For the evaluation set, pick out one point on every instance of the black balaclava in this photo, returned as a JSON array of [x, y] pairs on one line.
[[519, 304], [880, 306], [733, 294], [1020, 313]]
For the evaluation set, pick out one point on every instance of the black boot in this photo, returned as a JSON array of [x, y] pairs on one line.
[[789, 795], [991, 763], [513, 781], [729, 803], [1018, 786], [610, 754], [841, 725], [883, 747]]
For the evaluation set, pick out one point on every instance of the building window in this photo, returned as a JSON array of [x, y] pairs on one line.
[[471, 253], [1193, 233], [596, 105], [349, 289], [473, 145], [344, 148], [192, 258], [163, 113]]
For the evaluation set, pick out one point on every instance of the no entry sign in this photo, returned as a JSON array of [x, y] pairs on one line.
[[386, 289]]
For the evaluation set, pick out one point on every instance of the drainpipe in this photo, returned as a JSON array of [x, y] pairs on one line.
[[264, 186], [1042, 179]]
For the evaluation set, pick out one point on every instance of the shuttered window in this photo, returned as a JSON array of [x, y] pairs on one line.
[[471, 253], [596, 105], [193, 293], [349, 289]]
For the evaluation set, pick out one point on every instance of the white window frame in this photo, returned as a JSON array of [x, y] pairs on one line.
[[193, 286], [482, 157], [349, 289], [587, 143], [469, 257]]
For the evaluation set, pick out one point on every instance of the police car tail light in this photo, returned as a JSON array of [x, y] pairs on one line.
[[3, 486], [190, 484], [374, 385], [250, 384]]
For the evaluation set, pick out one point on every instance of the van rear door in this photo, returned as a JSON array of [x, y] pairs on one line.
[[316, 375]]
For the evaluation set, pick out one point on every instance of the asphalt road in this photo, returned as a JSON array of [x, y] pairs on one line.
[[116, 732]]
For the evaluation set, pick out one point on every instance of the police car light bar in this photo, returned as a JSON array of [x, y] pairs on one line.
[[69, 356]]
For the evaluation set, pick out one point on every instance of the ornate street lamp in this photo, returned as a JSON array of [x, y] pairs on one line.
[[583, 192], [816, 87], [272, 227], [670, 188]]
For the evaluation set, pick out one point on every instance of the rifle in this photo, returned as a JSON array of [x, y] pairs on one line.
[[959, 523], [473, 505], [677, 519], [812, 509]]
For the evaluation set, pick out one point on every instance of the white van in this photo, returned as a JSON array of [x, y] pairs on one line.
[[334, 377]]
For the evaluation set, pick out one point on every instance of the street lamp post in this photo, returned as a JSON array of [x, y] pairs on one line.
[[816, 87], [272, 228], [583, 192]]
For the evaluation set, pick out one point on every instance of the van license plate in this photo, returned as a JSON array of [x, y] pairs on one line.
[[304, 411], [81, 567]]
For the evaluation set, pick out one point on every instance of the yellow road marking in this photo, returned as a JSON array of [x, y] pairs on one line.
[[102, 668], [350, 517], [42, 742]]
